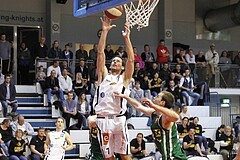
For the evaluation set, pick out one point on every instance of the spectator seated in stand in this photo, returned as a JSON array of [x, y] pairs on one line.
[[183, 128], [6, 135], [187, 87], [70, 111], [66, 66], [226, 144], [65, 82], [138, 147], [24, 126], [220, 131], [52, 87], [137, 93], [83, 109], [172, 88], [37, 145], [191, 145], [17, 148], [156, 85], [145, 85], [55, 67], [198, 134], [8, 95], [41, 76], [80, 84]]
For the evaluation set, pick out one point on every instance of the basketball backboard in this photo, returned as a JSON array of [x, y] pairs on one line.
[[83, 8]]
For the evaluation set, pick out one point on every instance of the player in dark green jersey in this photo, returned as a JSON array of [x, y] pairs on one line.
[[95, 150], [163, 127]]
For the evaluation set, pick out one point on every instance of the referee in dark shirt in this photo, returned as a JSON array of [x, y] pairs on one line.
[[37, 145]]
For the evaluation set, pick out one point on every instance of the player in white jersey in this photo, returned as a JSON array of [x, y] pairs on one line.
[[57, 142], [110, 110]]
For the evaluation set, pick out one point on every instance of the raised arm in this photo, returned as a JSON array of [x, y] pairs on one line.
[[135, 104], [101, 68], [129, 68], [170, 115]]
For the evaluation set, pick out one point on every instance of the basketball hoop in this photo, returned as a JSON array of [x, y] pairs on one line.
[[139, 15]]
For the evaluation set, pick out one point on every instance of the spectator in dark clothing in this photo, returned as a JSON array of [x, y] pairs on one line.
[[138, 72], [37, 145], [55, 51], [8, 95], [7, 135], [138, 147], [82, 68], [109, 53], [69, 69], [81, 53], [226, 144], [236, 127], [6, 132], [24, 57], [191, 145], [152, 70], [201, 69], [79, 84], [52, 87], [219, 132], [17, 147], [41, 49], [93, 73], [236, 59], [93, 52], [172, 76], [183, 128], [200, 58], [174, 90], [178, 72], [67, 53], [198, 133], [156, 85], [145, 85], [165, 72], [147, 56]]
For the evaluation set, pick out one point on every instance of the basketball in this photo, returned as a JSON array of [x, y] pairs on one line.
[[114, 13]]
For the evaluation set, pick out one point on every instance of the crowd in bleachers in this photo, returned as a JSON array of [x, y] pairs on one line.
[[152, 74], [195, 144]]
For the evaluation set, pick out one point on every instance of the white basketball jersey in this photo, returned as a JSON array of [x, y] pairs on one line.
[[57, 140], [105, 103]]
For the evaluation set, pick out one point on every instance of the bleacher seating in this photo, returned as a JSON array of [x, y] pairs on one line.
[[34, 111]]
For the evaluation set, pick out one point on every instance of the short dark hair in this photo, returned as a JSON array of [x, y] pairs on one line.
[[140, 134], [146, 45], [7, 75], [67, 45], [40, 128], [123, 61], [185, 118], [161, 40]]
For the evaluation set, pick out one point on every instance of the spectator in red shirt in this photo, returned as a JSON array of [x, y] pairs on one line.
[[162, 52]]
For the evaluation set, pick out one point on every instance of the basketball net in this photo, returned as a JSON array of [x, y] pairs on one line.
[[139, 15]]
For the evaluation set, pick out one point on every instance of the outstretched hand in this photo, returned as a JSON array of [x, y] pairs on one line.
[[147, 102], [126, 32], [106, 23]]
